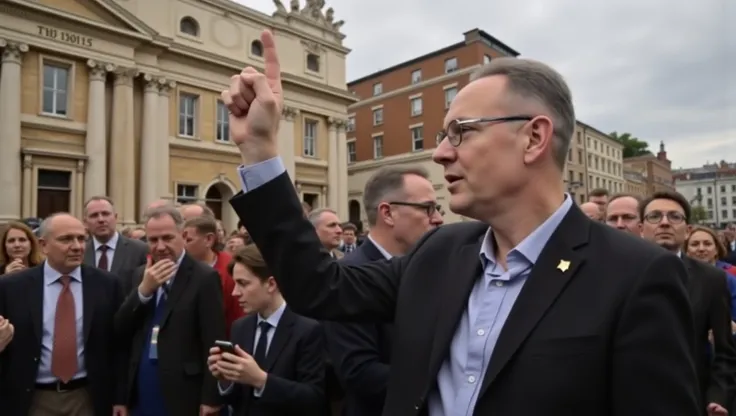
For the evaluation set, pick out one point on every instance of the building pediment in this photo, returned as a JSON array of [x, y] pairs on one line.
[[101, 13]]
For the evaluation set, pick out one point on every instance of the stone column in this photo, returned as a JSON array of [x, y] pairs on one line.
[[95, 181], [286, 140], [342, 175], [27, 186], [10, 155], [333, 166], [323, 196], [122, 162], [162, 139], [78, 198], [150, 182]]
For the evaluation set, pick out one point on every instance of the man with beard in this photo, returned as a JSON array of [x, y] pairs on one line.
[[172, 319]]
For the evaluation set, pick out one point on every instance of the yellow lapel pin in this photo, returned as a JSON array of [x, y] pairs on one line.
[[563, 266]]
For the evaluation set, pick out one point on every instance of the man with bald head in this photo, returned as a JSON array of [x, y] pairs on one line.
[[592, 210], [41, 371], [189, 211], [622, 212]]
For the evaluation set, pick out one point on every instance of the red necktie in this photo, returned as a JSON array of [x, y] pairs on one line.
[[64, 350], [102, 264]]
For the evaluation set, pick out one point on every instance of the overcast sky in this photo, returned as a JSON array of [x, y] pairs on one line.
[[659, 69]]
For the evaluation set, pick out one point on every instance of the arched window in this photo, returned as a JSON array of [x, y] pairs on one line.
[[213, 199], [354, 214], [256, 48], [189, 26]]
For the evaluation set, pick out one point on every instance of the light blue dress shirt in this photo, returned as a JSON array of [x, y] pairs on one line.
[[273, 320], [112, 245], [491, 299], [51, 291]]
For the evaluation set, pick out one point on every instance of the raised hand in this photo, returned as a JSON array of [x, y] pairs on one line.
[[255, 101]]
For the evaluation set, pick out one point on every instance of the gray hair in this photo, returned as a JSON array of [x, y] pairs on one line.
[[388, 181], [529, 79], [315, 216], [165, 211]]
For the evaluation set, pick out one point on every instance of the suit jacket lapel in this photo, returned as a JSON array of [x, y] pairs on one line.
[[249, 335], [183, 275], [693, 288], [280, 338], [120, 255], [466, 269], [370, 251], [544, 284], [35, 307], [89, 253], [89, 289]]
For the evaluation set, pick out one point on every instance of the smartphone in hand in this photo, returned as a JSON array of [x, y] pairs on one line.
[[225, 346]]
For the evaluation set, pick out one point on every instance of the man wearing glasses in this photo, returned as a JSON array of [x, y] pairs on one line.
[[666, 216], [534, 309]]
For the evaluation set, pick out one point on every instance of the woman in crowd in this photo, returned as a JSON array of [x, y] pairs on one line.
[[20, 248], [703, 244]]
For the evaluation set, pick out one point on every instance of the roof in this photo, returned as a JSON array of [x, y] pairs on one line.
[[483, 35]]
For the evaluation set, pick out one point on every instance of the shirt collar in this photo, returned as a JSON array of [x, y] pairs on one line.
[[111, 245], [51, 275], [275, 317], [534, 243], [383, 251]]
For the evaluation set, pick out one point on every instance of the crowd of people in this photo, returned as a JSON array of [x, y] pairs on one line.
[[618, 307]]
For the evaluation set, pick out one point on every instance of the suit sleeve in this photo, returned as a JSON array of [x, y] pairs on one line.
[[305, 394], [723, 366], [211, 328], [653, 368], [132, 313], [312, 282], [355, 354]]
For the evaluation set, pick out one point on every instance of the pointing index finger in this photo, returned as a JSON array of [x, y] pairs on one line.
[[271, 59]]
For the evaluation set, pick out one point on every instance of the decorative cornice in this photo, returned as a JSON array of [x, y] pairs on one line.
[[289, 113], [125, 76], [98, 70], [13, 51]]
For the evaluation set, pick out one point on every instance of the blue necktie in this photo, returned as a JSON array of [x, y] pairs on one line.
[[262, 347]]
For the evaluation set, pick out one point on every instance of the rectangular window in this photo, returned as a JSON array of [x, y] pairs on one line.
[[186, 194], [417, 138], [378, 147], [351, 124], [450, 65], [55, 90], [223, 122], [416, 106], [187, 114], [450, 94], [377, 88], [310, 138], [416, 76], [378, 116], [53, 193], [351, 152]]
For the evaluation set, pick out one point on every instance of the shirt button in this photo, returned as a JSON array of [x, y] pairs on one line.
[[471, 379], [481, 332], [499, 283]]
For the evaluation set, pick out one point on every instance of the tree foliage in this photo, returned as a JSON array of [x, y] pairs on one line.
[[698, 214], [633, 146]]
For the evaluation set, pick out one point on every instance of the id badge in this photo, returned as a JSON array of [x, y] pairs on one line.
[[153, 350]]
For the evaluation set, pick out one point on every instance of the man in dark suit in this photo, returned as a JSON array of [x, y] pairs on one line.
[[277, 368], [41, 372], [532, 310], [730, 234], [666, 216], [173, 317], [107, 249], [401, 206]]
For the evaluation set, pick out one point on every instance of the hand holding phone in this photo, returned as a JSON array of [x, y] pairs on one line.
[[225, 346]]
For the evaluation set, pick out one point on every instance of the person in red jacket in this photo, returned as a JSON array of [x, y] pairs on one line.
[[200, 235]]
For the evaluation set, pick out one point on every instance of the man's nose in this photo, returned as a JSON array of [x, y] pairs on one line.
[[444, 152]]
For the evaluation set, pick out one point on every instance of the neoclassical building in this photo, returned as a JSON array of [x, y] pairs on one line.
[[121, 98]]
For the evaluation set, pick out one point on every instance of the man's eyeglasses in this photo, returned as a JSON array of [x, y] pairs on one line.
[[456, 128], [429, 207], [673, 217]]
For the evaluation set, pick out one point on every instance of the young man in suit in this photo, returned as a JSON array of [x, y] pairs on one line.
[[401, 206], [277, 367], [666, 218], [534, 309], [43, 372], [172, 318], [107, 249]]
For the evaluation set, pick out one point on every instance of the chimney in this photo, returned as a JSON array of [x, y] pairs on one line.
[[662, 155]]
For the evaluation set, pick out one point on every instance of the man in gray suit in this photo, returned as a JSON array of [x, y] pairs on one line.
[[107, 249]]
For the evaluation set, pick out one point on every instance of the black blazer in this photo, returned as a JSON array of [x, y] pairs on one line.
[[193, 319], [711, 302], [295, 367], [610, 335], [360, 352], [21, 301]]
